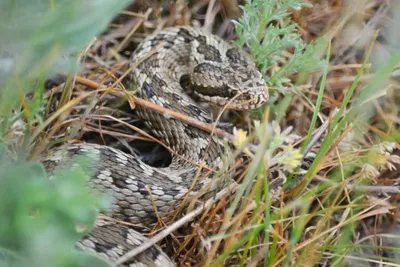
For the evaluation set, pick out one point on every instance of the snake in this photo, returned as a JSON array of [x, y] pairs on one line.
[[178, 68]]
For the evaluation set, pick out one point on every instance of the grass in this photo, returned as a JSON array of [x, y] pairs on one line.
[[293, 206]]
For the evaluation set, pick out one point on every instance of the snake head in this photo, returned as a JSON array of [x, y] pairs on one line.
[[237, 83]]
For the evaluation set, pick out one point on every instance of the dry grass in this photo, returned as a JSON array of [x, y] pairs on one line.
[[348, 196]]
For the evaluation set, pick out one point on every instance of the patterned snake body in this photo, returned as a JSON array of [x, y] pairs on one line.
[[184, 64]]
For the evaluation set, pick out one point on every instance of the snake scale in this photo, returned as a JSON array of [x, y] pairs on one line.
[[186, 65]]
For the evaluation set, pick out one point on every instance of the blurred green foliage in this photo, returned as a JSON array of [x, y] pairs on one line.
[[39, 217]]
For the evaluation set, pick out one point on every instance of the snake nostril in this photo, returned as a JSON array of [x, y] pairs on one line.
[[232, 93]]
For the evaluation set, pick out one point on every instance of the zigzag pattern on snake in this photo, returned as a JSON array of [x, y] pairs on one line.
[[188, 65]]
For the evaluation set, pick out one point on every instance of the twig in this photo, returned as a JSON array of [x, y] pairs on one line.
[[176, 225], [159, 109], [210, 15], [133, 30], [375, 189]]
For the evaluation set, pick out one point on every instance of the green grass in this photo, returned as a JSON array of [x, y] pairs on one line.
[[318, 213], [254, 237]]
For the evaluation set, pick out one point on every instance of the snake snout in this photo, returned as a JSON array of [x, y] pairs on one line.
[[251, 93], [251, 98]]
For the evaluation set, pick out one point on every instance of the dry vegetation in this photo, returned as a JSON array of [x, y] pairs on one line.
[[339, 203]]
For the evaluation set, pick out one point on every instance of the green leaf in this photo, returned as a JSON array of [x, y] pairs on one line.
[[9, 258]]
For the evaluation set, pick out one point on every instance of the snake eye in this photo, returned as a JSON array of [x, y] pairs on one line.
[[185, 83], [185, 80]]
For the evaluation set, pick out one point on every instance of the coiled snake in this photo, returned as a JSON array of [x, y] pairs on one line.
[[187, 64]]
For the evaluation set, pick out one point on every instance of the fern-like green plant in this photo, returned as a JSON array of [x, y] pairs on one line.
[[266, 28]]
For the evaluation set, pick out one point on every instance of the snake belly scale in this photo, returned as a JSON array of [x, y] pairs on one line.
[[188, 65]]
